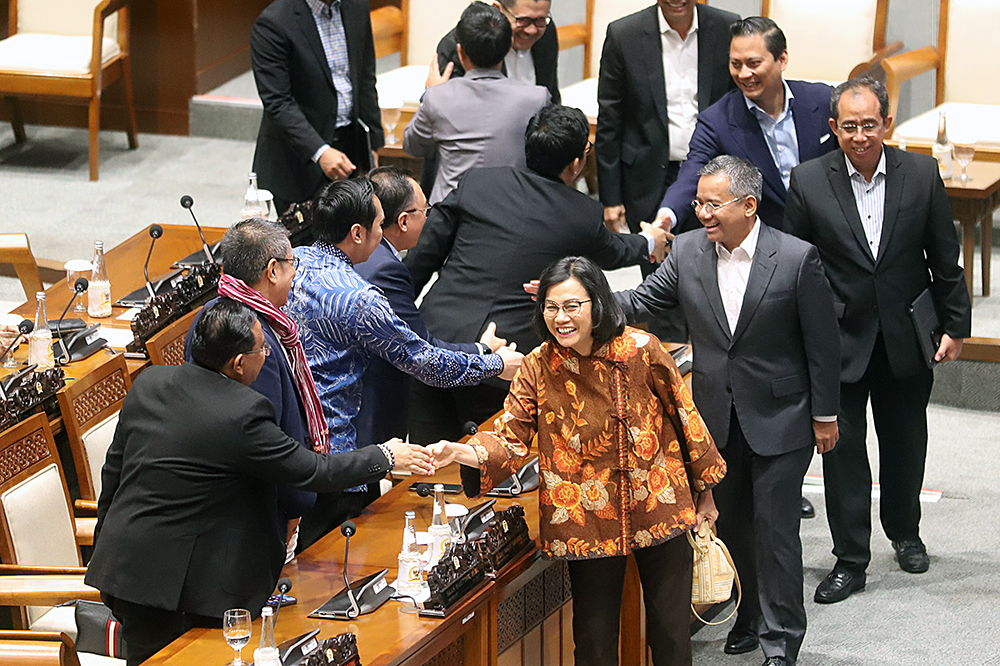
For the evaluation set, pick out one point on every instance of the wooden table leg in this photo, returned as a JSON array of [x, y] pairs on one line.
[[986, 225], [968, 250]]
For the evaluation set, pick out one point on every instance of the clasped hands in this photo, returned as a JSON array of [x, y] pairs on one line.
[[659, 229], [427, 460]]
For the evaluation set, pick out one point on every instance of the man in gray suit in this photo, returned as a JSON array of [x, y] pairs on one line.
[[477, 120], [766, 380]]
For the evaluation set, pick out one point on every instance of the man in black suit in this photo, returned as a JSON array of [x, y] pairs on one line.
[[883, 225], [765, 379], [499, 229], [187, 521], [314, 64]]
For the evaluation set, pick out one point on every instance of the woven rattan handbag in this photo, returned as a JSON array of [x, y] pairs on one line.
[[713, 572]]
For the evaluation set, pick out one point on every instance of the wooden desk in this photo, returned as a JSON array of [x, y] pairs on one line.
[[973, 204]]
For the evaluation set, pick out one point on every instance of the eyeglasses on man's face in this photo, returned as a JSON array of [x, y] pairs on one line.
[[523, 22], [426, 210], [265, 349], [294, 261], [713, 207], [550, 309], [866, 127]]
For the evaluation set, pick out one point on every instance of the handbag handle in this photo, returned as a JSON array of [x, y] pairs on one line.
[[704, 533]]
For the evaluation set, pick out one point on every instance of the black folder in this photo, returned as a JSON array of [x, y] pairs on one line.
[[927, 326]]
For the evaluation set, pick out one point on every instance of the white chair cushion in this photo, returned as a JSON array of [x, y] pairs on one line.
[[972, 55], [583, 96], [814, 51], [87, 659], [967, 123], [62, 17], [53, 618], [606, 11], [51, 54], [96, 442], [402, 83], [429, 21]]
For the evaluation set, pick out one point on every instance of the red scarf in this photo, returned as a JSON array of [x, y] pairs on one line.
[[288, 334]]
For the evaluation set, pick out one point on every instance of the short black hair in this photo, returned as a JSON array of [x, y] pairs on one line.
[[606, 315], [485, 34], [861, 83], [774, 38], [393, 186], [340, 205], [556, 135], [249, 245], [224, 330]]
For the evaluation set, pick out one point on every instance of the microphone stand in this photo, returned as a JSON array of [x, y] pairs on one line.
[[79, 287], [24, 328], [188, 202], [348, 529], [155, 231]]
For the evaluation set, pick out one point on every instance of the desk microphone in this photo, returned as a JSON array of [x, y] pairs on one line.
[[24, 328], [188, 202], [155, 231], [79, 287], [364, 596], [284, 584], [348, 529]]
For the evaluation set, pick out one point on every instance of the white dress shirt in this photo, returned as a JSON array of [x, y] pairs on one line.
[[680, 75], [870, 199], [782, 141], [734, 272], [520, 66]]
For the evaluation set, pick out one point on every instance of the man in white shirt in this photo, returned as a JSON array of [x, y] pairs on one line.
[[766, 380]]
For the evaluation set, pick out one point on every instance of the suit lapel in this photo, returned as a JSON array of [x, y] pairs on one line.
[[841, 184], [761, 270], [754, 146], [652, 48], [806, 131], [307, 26], [708, 275], [894, 177]]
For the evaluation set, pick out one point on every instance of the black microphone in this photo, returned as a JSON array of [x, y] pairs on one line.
[[79, 287], [348, 529], [24, 328], [155, 231], [284, 584], [188, 202], [470, 428]]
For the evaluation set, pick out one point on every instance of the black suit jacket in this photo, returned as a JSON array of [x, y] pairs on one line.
[[385, 394], [188, 518], [300, 103], [545, 55], [501, 228], [918, 249], [632, 145]]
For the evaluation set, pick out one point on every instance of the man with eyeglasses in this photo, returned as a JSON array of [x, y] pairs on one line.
[[765, 379], [883, 225], [476, 120]]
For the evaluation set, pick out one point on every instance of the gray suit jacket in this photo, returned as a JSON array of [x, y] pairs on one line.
[[476, 120], [782, 365]]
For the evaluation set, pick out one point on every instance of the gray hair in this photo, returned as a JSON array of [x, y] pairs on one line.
[[744, 178], [861, 83], [249, 245]]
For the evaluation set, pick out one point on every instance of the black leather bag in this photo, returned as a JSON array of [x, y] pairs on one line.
[[97, 630]]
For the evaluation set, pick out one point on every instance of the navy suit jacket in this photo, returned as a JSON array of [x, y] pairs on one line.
[[729, 128], [385, 391]]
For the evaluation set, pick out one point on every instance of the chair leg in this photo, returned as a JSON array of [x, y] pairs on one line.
[[94, 124], [16, 119], [133, 130]]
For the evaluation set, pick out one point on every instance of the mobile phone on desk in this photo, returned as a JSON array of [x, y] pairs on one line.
[[282, 600], [425, 489]]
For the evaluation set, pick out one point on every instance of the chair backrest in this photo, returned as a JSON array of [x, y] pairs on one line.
[[90, 407], [969, 55], [36, 648], [817, 53], [15, 250], [167, 346], [604, 12], [427, 23], [389, 31], [60, 17]]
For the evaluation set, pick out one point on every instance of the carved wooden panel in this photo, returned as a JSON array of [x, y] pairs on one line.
[[22, 454], [534, 602], [105, 393], [510, 620], [556, 587], [452, 655], [173, 352]]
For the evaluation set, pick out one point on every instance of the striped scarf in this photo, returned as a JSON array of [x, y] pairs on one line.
[[288, 334]]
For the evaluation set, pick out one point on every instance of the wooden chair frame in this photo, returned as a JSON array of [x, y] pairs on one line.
[[86, 402], [167, 346], [389, 28], [37, 648], [16, 250], [86, 86]]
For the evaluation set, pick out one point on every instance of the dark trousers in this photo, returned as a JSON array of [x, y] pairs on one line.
[[330, 511], [665, 573], [348, 140], [437, 413], [147, 630], [759, 503], [899, 408]]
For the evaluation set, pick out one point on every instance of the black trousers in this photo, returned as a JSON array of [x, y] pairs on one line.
[[759, 503], [899, 408], [665, 573], [148, 630], [330, 511], [437, 413], [348, 140]]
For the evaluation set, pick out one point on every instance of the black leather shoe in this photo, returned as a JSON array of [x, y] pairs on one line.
[[774, 661], [837, 586], [912, 556], [808, 511], [740, 641]]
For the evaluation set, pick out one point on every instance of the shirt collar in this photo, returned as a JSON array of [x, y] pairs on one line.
[[759, 112], [320, 9], [879, 168], [749, 243], [665, 27], [392, 247], [484, 73], [333, 251]]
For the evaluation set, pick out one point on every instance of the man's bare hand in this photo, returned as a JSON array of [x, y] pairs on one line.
[[435, 76], [532, 288], [614, 219], [664, 221], [490, 339], [705, 509], [949, 349], [827, 434], [411, 457], [335, 164], [511, 361], [661, 240]]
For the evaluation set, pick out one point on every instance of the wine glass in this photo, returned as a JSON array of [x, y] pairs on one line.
[[236, 629], [964, 152], [76, 269], [392, 111]]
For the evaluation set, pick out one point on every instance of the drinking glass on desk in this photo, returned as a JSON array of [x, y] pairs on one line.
[[964, 152], [236, 629], [76, 269], [392, 111]]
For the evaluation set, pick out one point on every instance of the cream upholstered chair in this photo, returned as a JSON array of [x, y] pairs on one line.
[[167, 346], [67, 48], [965, 57], [90, 407], [816, 53]]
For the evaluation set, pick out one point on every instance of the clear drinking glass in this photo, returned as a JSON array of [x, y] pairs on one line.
[[964, 152], [392, 111], [76, 269], [236, 629]]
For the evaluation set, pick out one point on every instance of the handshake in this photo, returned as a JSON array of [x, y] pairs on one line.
[[428, 460]]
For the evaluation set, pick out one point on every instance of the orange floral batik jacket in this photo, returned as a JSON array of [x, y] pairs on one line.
[[620, 445]]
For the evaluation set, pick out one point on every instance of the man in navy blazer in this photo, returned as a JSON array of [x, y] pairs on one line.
[[385, 393], [772, 123]]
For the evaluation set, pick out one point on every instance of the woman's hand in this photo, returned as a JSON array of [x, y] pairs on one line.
[[705, 509], [411, 457], [445, 453]]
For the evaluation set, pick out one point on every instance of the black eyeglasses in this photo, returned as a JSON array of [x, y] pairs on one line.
[[523, 22], [426, 210], [294, 261]]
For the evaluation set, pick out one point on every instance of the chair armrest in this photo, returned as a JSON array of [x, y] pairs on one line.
[[109, 7], [85, 508], [903, 67], [85, 531], [44, 590], [876, 59], [35, 570], [574, 34]]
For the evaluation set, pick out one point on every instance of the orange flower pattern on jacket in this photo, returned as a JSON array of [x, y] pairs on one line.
[[604, 490]]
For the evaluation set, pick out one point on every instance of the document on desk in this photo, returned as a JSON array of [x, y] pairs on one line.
[[117, 337]]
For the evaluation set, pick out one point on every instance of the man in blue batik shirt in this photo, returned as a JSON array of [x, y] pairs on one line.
[[344, 321]]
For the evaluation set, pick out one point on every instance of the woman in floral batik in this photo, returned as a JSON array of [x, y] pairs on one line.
[[626, 462]]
